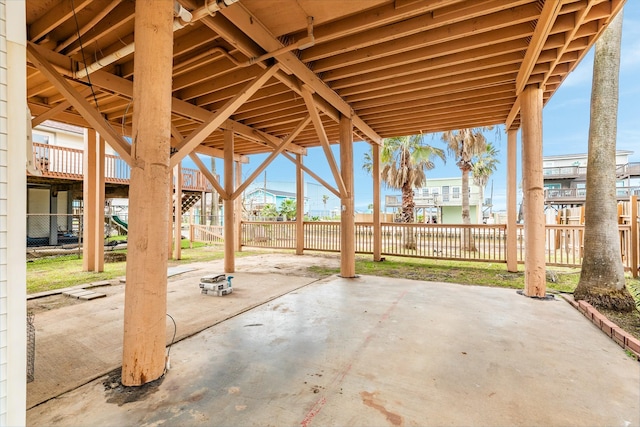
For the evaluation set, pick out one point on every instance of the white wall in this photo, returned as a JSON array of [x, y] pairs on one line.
[[13, 126]]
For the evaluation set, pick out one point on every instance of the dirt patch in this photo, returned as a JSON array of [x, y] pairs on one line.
[[53, 302], [120, 394], [629, 321]]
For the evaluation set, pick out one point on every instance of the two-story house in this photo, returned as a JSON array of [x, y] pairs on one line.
[[440, 201], [565, 179]]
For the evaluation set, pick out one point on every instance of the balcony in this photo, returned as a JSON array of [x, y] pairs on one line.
[[67, 163], [578, 195], [564, 172]]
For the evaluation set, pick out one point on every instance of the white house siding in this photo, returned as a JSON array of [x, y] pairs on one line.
[[13, 125]]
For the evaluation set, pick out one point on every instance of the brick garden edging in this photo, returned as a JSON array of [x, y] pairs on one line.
[[616, 333]]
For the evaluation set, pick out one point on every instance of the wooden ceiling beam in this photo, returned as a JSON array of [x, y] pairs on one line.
[[220, 116], [494, 23], [124, 87], [448, 84], [377, 34], [503, 52], [378, 16], [269, 90], [442, 90], [275, 153], [487, 40], [120, 17], [544, 25], [230, 79], [54, 17], [438, 77], [251, 26], [90, 114], [324, 141], [449, 108]]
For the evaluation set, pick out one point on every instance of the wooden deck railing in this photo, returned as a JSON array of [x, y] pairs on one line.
[[564, 243], [67, 163]]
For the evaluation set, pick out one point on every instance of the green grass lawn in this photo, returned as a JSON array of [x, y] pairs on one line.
[[463, 272]]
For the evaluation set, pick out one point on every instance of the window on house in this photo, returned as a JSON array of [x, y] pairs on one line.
[[455, 192], [445, 193]]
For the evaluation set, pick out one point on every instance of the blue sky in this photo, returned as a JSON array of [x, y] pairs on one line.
[[565, 130]]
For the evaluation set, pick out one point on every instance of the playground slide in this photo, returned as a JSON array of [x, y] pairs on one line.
[[120, 222]]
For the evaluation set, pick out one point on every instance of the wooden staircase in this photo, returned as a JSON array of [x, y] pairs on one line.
[[189, 200]]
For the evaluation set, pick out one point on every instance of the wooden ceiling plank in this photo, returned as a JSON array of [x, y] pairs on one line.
[[217, 118], [507, 51], [381, 15], [376, 34], [442, 90], [121, 16], [90, 114], [54, 17], [272, 156], [489, 24], [252, 27], [544, 25], [446, 75], [494, 92], [486, 40], [448, 84]]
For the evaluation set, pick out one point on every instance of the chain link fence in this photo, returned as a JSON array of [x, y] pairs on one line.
[[31, 348]]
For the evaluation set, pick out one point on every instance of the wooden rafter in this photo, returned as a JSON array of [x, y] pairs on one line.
[[322, 136], [90, 114], [251, 26], [217, 118], [201, 166], [271, 157]]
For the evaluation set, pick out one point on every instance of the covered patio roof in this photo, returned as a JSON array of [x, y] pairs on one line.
[[266, 69]]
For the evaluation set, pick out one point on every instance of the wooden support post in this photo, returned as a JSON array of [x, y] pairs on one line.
[[377, 229], [171, 206], [299, 206], [512, 201], [99, 206], [347, 214], [634, 235], [145, 306], [89, 200], [534, 218], [227, 204], [177, 222], [53, 216], [237, 206]]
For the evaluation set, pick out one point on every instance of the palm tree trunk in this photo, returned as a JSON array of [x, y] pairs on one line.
[[408, 206], [602, 281], [468, 243]]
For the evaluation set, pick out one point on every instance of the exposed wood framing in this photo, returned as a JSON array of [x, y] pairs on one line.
[[87, 111], [271, 157], [217, 118], [251, 26], [322, 136]]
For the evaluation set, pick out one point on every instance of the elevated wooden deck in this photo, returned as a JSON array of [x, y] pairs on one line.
[[59, 165]]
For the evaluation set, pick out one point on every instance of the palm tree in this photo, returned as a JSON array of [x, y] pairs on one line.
[[325, 199], [288, 208], [465, 145], [484, 166], [602, 281], [404, 161]]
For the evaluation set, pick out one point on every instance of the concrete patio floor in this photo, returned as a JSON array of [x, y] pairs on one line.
[[363, 352]]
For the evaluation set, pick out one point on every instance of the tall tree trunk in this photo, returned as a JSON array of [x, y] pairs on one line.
[[408, 205], [468, 243], [602, 281]]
